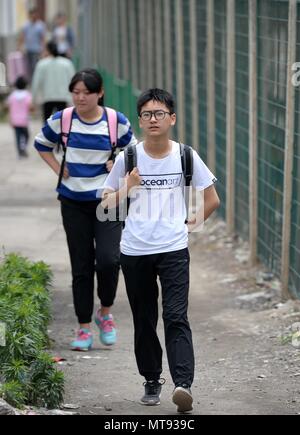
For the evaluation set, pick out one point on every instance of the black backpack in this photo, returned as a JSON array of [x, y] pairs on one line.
[[187, 162]]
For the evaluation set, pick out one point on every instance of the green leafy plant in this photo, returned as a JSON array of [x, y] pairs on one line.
[[47, 384], [16, 370], [14, 393], [27, 372]]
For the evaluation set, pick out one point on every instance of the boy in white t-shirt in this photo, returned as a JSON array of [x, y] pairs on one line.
[[155, 244]]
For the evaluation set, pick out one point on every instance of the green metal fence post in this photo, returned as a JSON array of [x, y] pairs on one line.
[[231, 85], [289, 151], [180, 73], [253, 184], [211, 87], [194, 74]]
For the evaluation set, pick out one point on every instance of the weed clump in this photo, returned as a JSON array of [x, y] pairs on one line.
[[28, 375]]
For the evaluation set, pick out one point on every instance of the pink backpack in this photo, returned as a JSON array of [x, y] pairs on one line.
[[66, 126]]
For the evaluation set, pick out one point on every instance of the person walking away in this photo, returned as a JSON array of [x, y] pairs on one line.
[[19, 104], [155, 244], [93, 245], [63, 36], [33, 38], [51, 79]]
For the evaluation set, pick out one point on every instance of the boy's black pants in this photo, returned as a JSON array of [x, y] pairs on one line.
[[141, 275], [93, 246]]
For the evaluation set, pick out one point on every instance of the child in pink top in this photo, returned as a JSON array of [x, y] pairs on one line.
[[19, 104]]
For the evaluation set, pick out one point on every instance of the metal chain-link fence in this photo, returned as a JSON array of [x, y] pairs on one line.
[[272, 79], [242, 119], [294, 278], [182, 45]]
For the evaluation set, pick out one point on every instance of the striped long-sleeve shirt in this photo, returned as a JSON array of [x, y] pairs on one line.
[[88, 151]]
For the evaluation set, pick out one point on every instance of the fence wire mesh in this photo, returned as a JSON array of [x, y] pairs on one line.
[[242, 119], [144, 52], [174, 72], [201, 14], [295, 233], [221, 94], [272, 79], [185, 9]]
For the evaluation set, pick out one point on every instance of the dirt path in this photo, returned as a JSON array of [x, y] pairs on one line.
[[243, 367]]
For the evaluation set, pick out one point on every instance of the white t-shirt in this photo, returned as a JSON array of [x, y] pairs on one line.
[[60, 36], [157, 213]]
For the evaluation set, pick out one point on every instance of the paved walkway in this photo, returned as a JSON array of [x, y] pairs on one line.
[[242, 365]]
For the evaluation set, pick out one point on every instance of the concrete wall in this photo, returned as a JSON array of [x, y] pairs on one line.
[[7, 17], [8, 27]]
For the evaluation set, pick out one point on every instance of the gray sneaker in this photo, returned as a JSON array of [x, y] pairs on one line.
[[152, 393], [182, 397]]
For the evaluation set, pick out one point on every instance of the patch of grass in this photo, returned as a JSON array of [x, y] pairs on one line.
[[286, 339], [28, 375]]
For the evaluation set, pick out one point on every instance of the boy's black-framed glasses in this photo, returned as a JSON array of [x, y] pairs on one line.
[[159, 115]]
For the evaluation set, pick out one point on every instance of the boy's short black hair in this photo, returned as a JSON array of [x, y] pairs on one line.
[[21, 83], [158, 95]]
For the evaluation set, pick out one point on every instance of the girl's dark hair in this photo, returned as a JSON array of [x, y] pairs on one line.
[[92, 80], [52, 49], [158, 95], [21, 83]]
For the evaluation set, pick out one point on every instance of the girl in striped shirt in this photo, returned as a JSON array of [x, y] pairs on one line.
[[93, 245]]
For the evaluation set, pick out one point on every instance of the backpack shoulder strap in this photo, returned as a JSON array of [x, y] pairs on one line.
[[130, 154], [112, 118], [66, 125], [187, 161]]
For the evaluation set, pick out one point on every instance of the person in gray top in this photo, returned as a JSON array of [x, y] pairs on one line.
[[50, 83], [32, 39], [63, 35]]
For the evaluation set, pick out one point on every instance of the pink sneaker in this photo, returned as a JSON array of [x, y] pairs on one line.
[[83, 341], [108, 333]]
